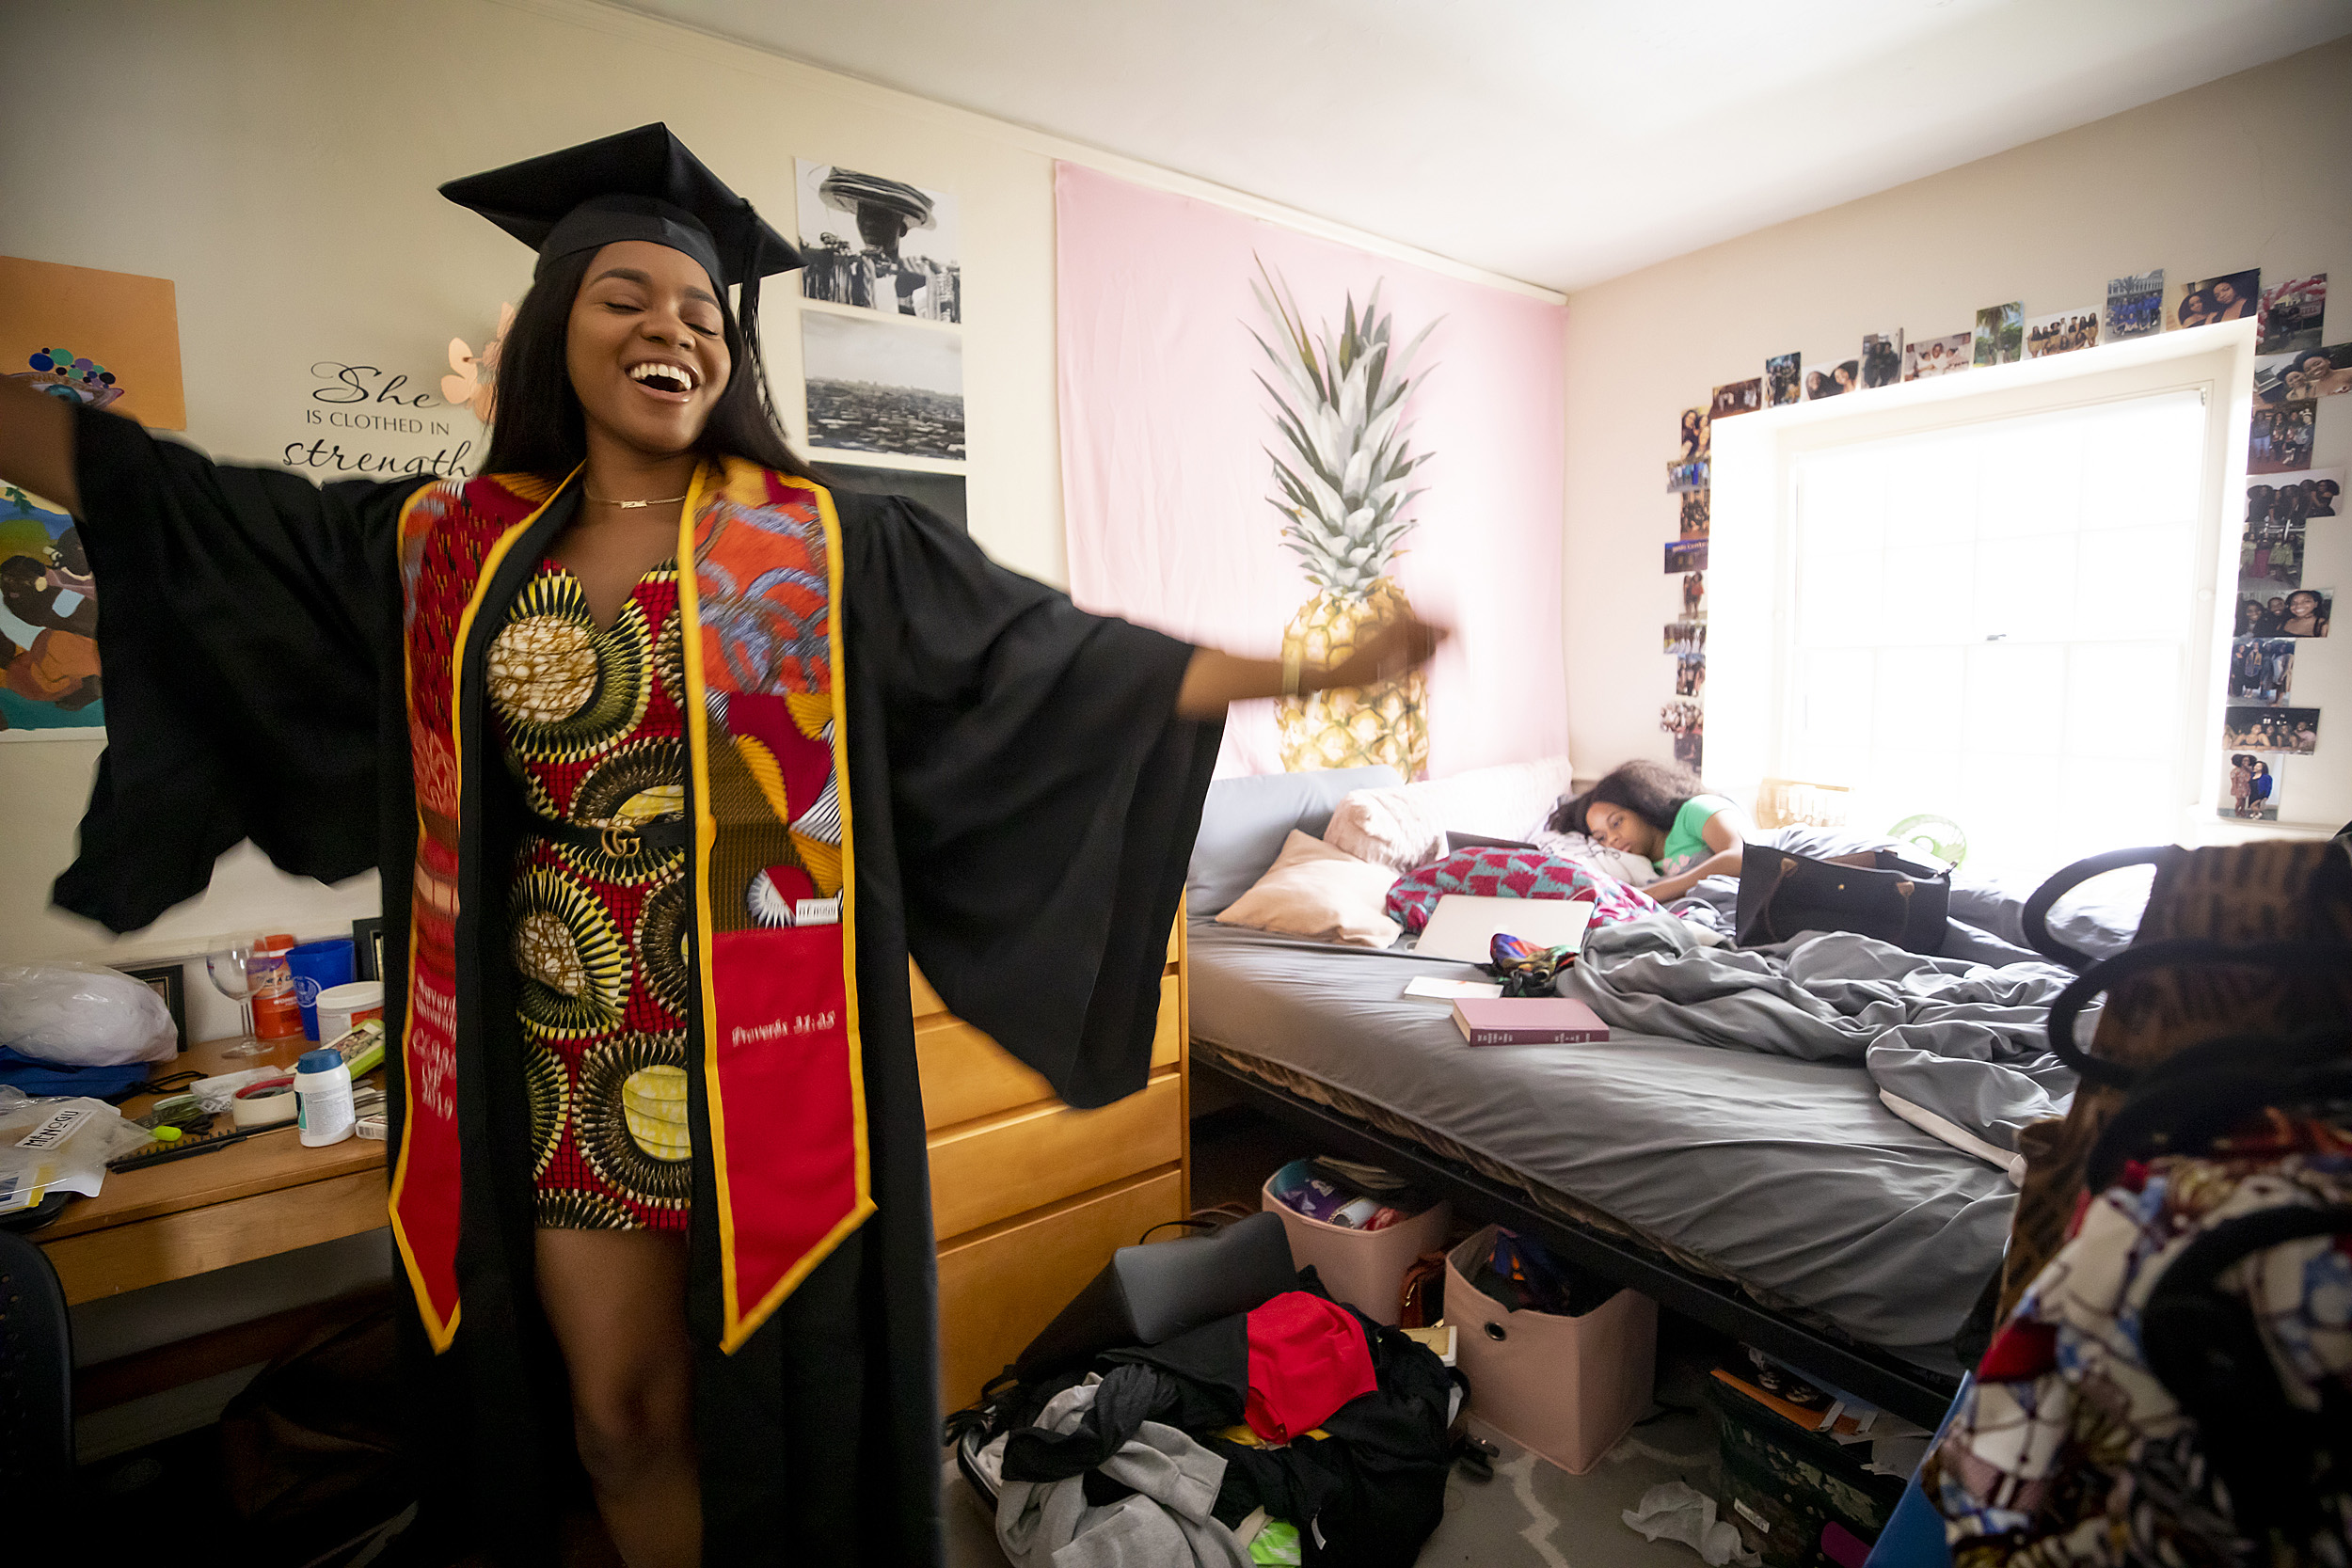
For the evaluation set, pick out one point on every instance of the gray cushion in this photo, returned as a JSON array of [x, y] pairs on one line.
[[1246, 820]]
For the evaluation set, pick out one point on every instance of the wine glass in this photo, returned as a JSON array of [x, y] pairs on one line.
[[239, 973]]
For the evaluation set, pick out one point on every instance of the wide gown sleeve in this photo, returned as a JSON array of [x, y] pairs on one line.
[[244, 619], [1045, 794]]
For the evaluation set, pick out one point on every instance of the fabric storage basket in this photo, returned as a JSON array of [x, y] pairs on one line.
[[1566, 1387], [1363, 1268]]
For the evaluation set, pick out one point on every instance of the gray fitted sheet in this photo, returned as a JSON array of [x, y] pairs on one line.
[[1788, 1177]]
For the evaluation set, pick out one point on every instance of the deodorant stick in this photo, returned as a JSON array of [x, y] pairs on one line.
[[322, 1096]]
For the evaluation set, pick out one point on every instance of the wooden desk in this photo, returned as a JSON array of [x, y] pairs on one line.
[[266, 1194]]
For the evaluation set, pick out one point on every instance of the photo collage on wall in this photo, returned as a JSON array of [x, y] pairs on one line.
[[882, 341], [1688, 484]]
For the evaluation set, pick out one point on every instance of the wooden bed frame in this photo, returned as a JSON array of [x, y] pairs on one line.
[[1916, 1393]]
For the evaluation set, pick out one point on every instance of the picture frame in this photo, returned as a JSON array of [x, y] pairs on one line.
[[367, 947], [170, 982]]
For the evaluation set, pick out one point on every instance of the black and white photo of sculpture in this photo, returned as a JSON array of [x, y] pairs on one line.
[[881, 385], [878, 244]]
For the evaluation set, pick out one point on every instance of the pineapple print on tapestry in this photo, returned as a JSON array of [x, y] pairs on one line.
[[1344, 469]]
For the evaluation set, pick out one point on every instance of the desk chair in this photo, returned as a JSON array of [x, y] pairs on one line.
[[36, 1374]]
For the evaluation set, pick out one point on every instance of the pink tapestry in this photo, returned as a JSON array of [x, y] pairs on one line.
[[1273, 440]]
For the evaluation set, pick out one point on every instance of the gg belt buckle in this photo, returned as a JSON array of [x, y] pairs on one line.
[[621, 841]]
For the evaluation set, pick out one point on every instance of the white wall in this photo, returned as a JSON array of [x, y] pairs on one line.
[[2251, 170], [278, 160]]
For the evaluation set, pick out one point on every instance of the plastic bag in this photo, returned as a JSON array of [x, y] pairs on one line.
[[82, 1015], [61, 1144]]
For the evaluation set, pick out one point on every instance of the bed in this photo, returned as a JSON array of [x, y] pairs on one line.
[[1777, 1200]]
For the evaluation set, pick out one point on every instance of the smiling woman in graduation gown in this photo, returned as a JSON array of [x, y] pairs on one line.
[[889, 746]]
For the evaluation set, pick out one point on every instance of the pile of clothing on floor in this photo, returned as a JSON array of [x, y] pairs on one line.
[[1299, 1432]]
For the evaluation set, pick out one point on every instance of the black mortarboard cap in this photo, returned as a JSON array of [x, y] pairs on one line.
[[641, 184]]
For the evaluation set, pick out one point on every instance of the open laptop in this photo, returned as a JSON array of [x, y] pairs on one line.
[[1463, 927]]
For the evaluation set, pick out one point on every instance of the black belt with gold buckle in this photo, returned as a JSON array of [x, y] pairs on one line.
[[659, 836]]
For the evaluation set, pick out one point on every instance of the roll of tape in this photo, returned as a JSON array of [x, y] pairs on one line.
[[268, 1103]]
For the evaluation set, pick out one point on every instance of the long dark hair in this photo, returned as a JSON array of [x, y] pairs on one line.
[[538, 428], [1653, 791]]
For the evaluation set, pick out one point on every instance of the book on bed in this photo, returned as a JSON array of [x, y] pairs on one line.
[[1527, 1021]]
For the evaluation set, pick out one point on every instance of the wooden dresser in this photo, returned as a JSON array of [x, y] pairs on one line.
[[1030, 1198]]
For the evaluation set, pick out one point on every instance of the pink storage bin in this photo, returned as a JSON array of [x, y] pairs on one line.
[[1566, 1387], [1363, 1268]]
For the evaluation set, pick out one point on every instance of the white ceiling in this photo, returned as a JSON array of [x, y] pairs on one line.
[[1558, 141]]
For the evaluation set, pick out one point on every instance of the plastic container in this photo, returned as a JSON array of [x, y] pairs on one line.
[[1789, 1489], [1363, 1268], [323, 1091], [344, 1009], [320, 966], [1567, 1389], [275, 1016]]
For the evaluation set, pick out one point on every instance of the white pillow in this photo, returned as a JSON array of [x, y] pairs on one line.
[[1387, 827], [1623, 865], [1510, 801], [1313, 890]]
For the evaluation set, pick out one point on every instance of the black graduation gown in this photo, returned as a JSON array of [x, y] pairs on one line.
[[1027, 800]]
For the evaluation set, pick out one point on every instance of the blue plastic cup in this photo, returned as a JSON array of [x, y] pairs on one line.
[[319, 966]]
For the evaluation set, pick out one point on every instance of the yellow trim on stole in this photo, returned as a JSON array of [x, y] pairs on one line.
[[738, 1327], [441, 1335]]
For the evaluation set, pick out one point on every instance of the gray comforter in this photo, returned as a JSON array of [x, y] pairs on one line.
[[1960, 1039]]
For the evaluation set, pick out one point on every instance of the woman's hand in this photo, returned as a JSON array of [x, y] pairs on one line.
[[1395, 648]]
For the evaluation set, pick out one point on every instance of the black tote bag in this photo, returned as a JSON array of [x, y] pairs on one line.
[[1875, 893]]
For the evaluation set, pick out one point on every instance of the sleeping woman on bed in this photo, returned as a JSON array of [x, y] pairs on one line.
[[1658, 811]]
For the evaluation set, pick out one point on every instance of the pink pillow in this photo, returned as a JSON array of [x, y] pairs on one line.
[[1387, 827], [1513, 873], [1313, 890]]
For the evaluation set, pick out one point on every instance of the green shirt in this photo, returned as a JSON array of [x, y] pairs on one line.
[[1686, 844]]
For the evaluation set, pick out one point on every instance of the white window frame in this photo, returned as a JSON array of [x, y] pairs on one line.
[[1751, 569]]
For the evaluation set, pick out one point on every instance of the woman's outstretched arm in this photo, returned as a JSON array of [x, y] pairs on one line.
[[1215, 680], [37, 444]]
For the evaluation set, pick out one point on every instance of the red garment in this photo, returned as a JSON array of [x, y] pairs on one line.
[[1307, 1358]]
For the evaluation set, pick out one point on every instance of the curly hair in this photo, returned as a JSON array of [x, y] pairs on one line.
[[1653, 791]]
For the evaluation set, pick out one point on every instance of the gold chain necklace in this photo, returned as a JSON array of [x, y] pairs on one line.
[[631, 506]]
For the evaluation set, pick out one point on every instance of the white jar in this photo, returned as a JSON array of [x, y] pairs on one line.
[[323, 1098], [344, 1009]]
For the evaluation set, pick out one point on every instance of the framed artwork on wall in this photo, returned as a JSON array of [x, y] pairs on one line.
[[367, 947], [170, 982]]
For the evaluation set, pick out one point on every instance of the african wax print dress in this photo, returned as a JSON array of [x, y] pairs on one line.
[[588, 722]]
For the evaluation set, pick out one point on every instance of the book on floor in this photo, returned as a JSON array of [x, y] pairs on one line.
[[1527, 1021]]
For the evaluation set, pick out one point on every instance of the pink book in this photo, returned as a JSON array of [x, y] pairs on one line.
[[1527, 1021]]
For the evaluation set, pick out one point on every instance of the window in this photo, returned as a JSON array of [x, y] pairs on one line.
[[1989, 596], [1999, 623]]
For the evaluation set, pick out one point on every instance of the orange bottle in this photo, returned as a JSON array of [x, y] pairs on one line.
[[275, 1015]]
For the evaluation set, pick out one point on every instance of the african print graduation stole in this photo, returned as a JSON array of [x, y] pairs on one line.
[[774, 873]]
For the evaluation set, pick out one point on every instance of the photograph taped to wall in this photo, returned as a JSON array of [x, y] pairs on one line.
[[1737, 397], [1927, 356], [2294, 731], [1694, 513], [1683, 478], [2280, 440], [2134, 306], [1686, 555], [941, 492], [1881, 359], [2291, 313], [2298, 612], [1688, 637], [1833, 380], [2311, 373], [2262, 670], [1781, 383], [1693, 438], [878, 244], [2000, 334], [2251, 786], [2278, 500], [109, 339], [2232, 297], [2061, 332], [2270, 559], [1694, 596], [882, 386], [49, 681], [1686, 722], [1689, 674]]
